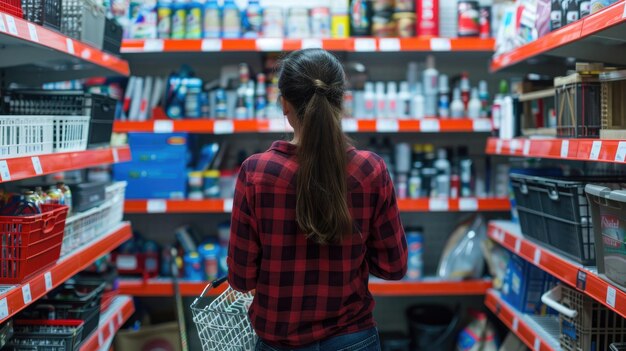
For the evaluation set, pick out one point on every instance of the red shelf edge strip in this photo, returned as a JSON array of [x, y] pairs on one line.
[[103, 332]]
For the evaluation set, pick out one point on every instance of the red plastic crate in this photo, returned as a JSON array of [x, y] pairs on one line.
[[144, 264], [12, 7], [30, 243]]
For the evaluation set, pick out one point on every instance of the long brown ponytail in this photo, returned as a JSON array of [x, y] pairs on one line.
[[312, 80]]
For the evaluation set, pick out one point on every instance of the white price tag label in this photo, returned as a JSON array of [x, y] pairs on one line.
[[482, 125], [387, 126], [228, 205], [5, 174], [223, 127], [120, 319], [2, 27], [311, 44], [156, 206], [438, 204], [518, 245], [389, 44], [498, 235], [116, 155], [537, 257], [515, 325], [163, 126], [594, 154], [37, 165], [429, 125], [620, 155], [269, 44], [100, 339], [48, 280], [537, 344], [69, 43], [11, 24], [111, 328], [153, 45], [514, 145], [440, 44], [211, 45], [364, 45], [86, 54], [565, 149], [4, 309], [468, 204], [526, 149], [26, 296], [350, 125], [610, 296], [624, 15], [32, 30], [499, 146]]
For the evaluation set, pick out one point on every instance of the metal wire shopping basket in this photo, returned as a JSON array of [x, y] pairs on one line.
[[223, 324]]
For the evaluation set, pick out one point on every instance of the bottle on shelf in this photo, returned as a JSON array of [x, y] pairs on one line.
[[404, 101], [419, 103], [360, 18], [430, 78], [444, 97], [164, 19], [253, 19], [572, 12], [193, 21], [392, 100], [250, 101], [381, 102], [415, 184], [457, 110], [475, 106], [442, 165], [212, 21], [465, 90], [261, 97], [231, 20], [465, 172], [370, 101], [483, 95], [179, 19]]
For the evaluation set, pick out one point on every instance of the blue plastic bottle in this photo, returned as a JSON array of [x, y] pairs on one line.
[[253, 20], [179, 19], [231, 20], [212, 22]]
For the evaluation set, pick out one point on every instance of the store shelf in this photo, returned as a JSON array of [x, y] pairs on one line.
[[597, 38], [111, 320], [31, 166], [593, 150], [210, 126], [278, 45], [584, 279], [405, 205], [537, 332], [14, 298], [163, 287], [36, 54]]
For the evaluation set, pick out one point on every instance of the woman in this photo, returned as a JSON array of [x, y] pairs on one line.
[[312, 219]]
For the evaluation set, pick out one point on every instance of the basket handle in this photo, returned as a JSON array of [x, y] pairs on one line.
[[50, 223], [214, 284], [552, 298]]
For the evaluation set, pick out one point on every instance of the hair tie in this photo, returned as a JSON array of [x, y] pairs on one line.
[[321, 88]]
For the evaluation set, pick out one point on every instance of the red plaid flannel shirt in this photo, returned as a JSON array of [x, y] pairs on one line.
[[306, 292]]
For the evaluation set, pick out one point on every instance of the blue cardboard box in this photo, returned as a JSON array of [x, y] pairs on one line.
[[524, 284]]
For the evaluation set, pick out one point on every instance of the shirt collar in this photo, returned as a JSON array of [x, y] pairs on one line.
[[290, 149]]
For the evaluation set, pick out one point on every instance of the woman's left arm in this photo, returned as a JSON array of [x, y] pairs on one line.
[[244, 248]]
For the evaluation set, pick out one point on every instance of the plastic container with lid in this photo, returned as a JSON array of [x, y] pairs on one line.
[[209, 253], [405, 23], [298, 23], [227, 184], [193, 267], [211, 184]]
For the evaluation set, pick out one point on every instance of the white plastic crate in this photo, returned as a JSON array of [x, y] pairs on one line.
[[26, 135], [71, 133], [96, 222]]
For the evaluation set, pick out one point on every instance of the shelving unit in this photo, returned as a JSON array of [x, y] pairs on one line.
[[163, 287], [584, 279], [593, 150], [586, 39], [32, 166], [133, 46], [14, 298], [350, 125], [111, 320], [36, 54], [405, 205]]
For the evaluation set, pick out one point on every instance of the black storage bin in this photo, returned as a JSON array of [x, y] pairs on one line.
[[87, 195], [113, 33], [100, 108], [555, 212], [35, 335], [47, 13]]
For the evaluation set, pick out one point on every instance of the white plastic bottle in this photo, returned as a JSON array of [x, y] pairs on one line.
[[369, 100], [442, 165], [430, 78], [475, 106], [444, 97], [381, 101], [419, 108], [392, 100], [404, 101], [483, 95], [457, 110]]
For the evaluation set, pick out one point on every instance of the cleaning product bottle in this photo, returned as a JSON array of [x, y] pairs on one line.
[[465, 172], [465, 90], [261, 97], [369, 98], [457, 110], [442, 165], [212, 22], [340, 21], [380, 100], [250, 100], [430, 77], [404, 101], [179, 19], [474, 107], [572, 12], [231, 20], [415, 184], [392, 100], [164, 19], [444, 97], [193, 22], [360, 18], [483, 95], [419, 103], [253, 19]]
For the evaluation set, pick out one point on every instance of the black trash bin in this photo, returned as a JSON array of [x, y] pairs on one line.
[[432, 327]]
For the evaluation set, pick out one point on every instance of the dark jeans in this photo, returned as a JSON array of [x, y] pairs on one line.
[[366, 340]]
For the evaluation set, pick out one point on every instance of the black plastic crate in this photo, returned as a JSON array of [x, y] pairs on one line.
[[47, 13], [46, 335], [100, 108], [113, 33], [555, 212], [87, 195]]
